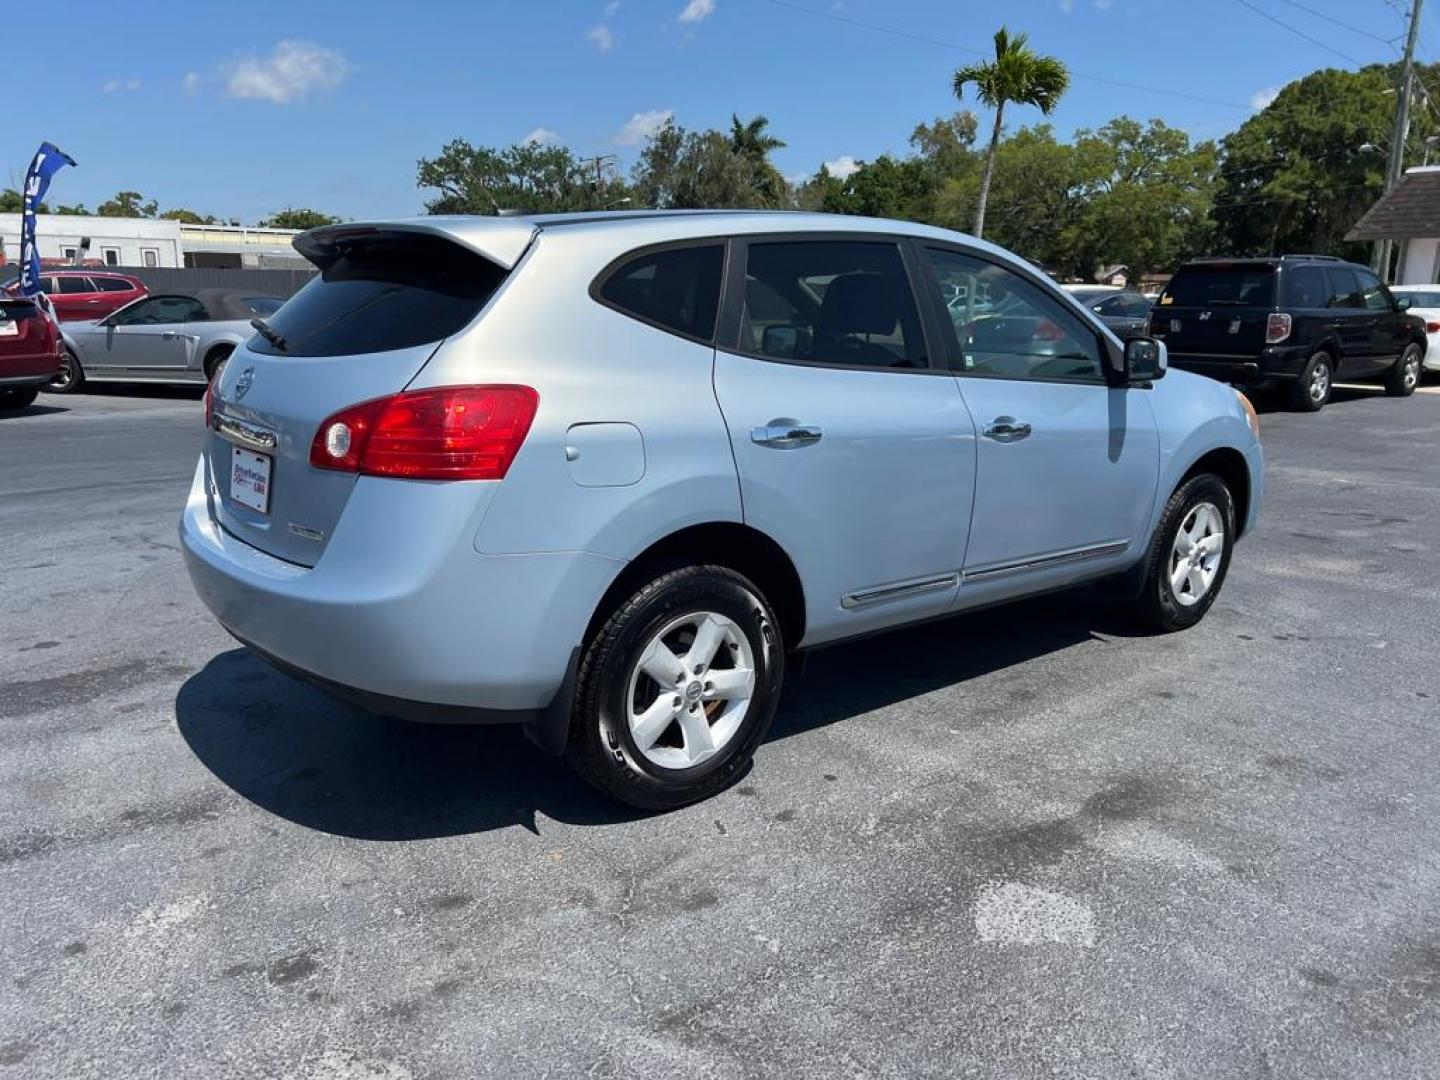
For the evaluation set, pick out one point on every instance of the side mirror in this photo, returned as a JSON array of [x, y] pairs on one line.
[[782, 341], [1402, 303], [1145, 360]]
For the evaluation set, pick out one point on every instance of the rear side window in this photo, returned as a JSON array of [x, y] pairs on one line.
[[1221, 285], [677, 289], [110, 284], [72, 285], [1344, 289], [383, 292], [1305, 287]]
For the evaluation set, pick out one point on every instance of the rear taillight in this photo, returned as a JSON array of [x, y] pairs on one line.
[[444, 433], [1432, 327], [1277, 328]]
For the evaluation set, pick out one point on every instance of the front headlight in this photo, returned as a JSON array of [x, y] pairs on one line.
[[1250, 415]]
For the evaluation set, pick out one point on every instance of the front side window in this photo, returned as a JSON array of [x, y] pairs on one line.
[[677, 289], [846, 303], [1375, 294], [73, 286], [159, 310], [1007, 327]]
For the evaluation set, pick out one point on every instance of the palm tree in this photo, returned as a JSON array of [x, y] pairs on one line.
[[1016, 74], [750, 141]]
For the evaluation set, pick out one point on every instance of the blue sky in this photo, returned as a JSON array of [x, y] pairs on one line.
[[241, 109]]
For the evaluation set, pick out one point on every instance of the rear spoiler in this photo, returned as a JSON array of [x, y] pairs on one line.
[[499, 240]]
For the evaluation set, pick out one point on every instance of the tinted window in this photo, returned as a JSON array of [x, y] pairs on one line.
[[1221, 285], [158, 310], [1113, 306], [264, 306], [1417, 298], [1376, 297], [1136, 306], [381, 293], [1306, 287], [1007, 327], [831, 302], [678, 288], [110, 284], [1344, 289], [70, 285]]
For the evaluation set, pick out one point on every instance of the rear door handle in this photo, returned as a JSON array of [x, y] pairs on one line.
[[1006, 429], [785, 434], [167, 335]]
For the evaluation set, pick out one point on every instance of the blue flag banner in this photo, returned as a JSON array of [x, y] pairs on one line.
[[49, 160]]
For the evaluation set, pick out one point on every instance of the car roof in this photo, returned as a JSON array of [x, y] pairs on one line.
[[503, 239]]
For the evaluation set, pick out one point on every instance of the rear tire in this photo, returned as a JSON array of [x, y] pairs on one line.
[[663, 740], [70, 377], [215, 363], [1402, 379], [1183, 577], [15, 400], [1311, 391]]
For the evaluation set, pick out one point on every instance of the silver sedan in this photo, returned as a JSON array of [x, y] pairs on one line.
[[165, 338]]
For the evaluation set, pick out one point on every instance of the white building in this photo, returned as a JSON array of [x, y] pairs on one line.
[[1409, 216], [113, 241]]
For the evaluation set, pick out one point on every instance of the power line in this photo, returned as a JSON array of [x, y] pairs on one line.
[[1344, 25], [1300, 33], [833, 17]]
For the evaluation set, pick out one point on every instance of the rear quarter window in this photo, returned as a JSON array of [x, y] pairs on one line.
[[1221, 286], [676, 289], [381, 293]]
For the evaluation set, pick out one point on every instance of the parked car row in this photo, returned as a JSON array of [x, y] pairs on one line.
[[86, 294]]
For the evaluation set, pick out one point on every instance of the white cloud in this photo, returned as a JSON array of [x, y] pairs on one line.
[[288, 74], [601, 37], [133, 85], [642, 125], [611, 8], [110, 86], [541, 136], [696, 11], [191, 83], [1103, 5], [1067, 6], [843, 167], [1261, 98]]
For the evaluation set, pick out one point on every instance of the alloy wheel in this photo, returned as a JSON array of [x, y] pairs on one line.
[[1319, 381], [690, 690], [1196, 553]]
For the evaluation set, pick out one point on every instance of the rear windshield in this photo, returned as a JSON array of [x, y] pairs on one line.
[[383, 293], [1220, 286], [11, 310], [1417, 298]]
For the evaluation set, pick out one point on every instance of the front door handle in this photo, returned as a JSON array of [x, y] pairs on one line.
[[785, 434], [1006, 429]]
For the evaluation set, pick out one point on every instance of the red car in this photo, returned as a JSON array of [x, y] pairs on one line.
[[29, 351], [86, 294]]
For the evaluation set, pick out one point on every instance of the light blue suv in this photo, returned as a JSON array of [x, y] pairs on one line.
[[600, 474]]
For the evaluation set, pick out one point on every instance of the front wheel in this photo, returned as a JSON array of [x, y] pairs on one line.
[[677, 689], [1189, 555], [1402, 379], [1312, 390], [69, 378]]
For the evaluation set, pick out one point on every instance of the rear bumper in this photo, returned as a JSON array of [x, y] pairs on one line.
[[1274, 362], [405, 621], [10, 381]]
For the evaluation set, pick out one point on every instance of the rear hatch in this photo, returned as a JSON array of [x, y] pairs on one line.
[[27, 339], [1216, 309], [384, 301]]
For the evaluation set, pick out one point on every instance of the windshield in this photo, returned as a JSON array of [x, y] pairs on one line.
[[1221, 285], [1418, 298]]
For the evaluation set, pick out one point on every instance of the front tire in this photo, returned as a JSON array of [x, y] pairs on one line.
[[15, 400], [1189, 556], [69, 378], [1402, 379], [677, 689], [1312, 390]]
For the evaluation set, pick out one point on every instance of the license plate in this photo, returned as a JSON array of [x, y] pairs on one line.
[[250, 479]]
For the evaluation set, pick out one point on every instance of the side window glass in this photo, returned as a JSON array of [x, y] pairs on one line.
[[1306, 287], [111, 284], [145, 312], [1377, 298], [75, 285], [846, 303], [678, 289], [1344, 289], [1111, 306], [1006, 327], [1136, 306]]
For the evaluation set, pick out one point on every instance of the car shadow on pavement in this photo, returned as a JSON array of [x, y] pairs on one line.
[[295, 752], [36, 409], [326, 765], [171, 392]]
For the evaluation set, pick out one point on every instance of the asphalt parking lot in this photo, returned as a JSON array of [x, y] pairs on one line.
[[1026, 842]]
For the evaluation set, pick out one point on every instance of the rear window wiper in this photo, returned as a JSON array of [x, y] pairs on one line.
[[270, 335]]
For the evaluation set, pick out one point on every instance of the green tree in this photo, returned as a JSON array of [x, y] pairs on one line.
[[886, 187], [526, 176], [127, 204], [297, 218], [685, 170], [1294, 177], [751, 142], [947, 146], [1016, 74], [73, 209], [187, 217]]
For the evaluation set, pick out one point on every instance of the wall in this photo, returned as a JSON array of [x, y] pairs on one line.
[[281, 283], [1420, 264], [128, 238]]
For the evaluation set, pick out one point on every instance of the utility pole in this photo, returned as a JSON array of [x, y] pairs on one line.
[[1395, 168]]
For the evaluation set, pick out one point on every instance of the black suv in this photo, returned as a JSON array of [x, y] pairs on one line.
[[1302, 320]]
